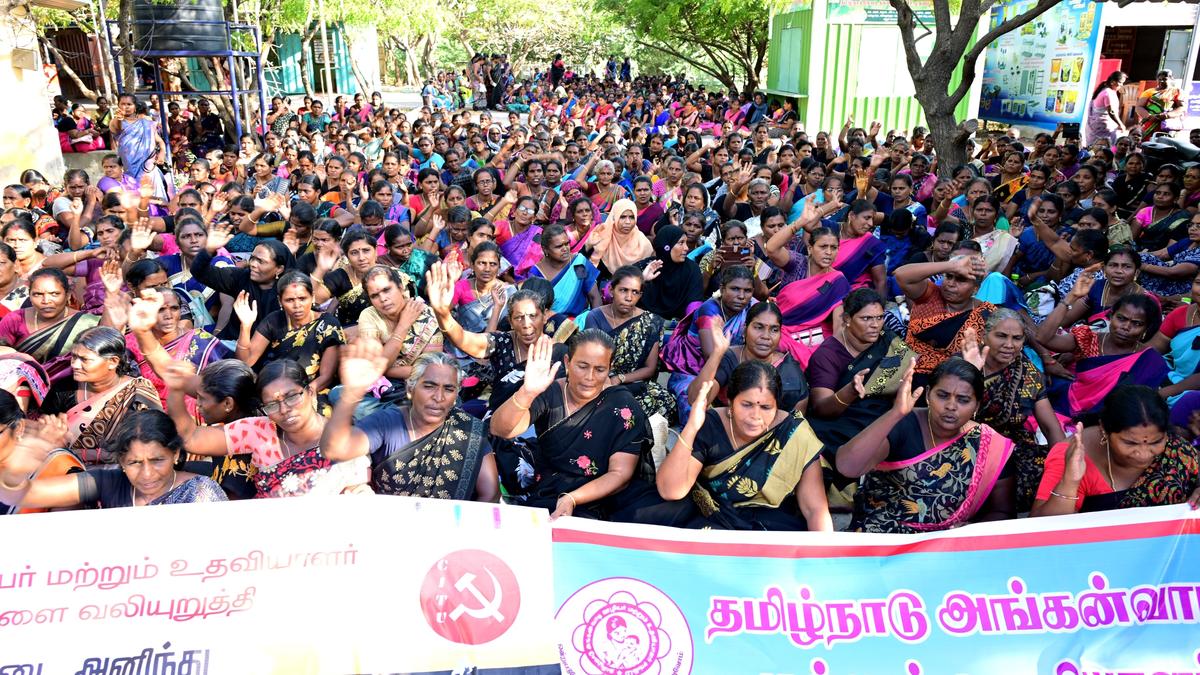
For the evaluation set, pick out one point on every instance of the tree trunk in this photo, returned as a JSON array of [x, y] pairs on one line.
[[66, 68], [949, 139], [128, 75], [405, 53], [221, 104], [466, 43], [364, 87], [305, 47]]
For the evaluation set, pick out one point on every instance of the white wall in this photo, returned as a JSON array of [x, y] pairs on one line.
[[1149, 14], [366, 54], [27, 140]]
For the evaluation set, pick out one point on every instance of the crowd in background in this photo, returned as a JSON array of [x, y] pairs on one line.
[[622, 298]]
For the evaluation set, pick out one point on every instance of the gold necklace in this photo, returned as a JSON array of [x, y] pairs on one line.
[[846, 343], [1191, 314], [929, 425], [1108, 454], [732, 434]]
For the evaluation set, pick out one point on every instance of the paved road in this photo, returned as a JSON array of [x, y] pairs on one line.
[[405, 99]]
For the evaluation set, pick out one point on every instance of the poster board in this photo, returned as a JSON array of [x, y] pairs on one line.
[[1041, 73]]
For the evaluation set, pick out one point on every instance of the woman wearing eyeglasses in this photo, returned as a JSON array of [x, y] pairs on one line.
[[518, 236], [284, 443]]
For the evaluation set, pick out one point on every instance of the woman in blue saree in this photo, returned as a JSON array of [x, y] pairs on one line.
[[573, 276], [137, 142], [1179, 340], [811, 305], [861, 256], [691, 343], [1104, 360]]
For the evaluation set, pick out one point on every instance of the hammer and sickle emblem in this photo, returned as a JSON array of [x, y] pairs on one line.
[[486, 608]]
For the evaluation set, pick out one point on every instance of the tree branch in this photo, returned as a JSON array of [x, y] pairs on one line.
[[66, 68], [972, 56], [722, 76], [905, 21], [941, 16]]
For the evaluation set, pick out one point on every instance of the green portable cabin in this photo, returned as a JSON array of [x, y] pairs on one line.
[[837, 58], [281, 68]]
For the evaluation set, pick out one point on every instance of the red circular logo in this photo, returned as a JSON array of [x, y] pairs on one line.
[[470, 597]]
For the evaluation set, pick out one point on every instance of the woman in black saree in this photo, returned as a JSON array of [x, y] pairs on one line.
[[752, 465], [638, 336], [590, 436], [425, 448], [854, 374]]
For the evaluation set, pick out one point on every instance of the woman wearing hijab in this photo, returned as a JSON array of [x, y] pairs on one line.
[[617, 241], [673, 280]]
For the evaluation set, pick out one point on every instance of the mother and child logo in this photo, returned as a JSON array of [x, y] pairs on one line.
[[623, 626]]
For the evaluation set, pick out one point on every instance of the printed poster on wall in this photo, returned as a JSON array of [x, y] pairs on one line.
[[1117, 592], [874, 11], [1041, 73]]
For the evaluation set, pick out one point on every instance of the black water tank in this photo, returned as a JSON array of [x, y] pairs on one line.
[[174, 26]]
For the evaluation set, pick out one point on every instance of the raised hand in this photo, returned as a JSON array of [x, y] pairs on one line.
[[178, 375], [497, 294], [141, 236], [541, 367], [906, 398], [146, 187], [130, 202], [653, 270], [361, 364], [699, 408], [1075, 465], [37, 439], [1083, 284], [809, 213], [971, 352], [455, 269], [218, 235], [111, 276], [143, 315], [289, 240], [875, 127], [245, 309], [720, 340], [327, 259], [862, 182], [439, 287], [218, 204], [436, 224]]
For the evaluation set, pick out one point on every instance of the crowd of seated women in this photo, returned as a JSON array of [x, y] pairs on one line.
[[654, 305]]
